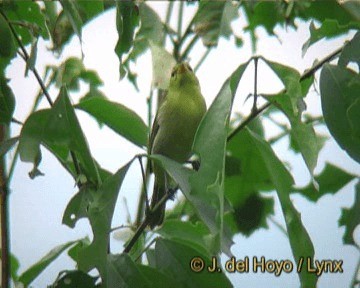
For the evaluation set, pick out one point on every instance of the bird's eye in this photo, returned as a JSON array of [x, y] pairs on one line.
[[189, 67], [173, 73]]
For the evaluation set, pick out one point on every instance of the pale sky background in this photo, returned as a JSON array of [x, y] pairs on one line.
[[36, 206]]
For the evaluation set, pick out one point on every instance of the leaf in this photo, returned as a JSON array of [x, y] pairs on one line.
[[252, 214], [127, 19], [63, 129], [72, 13], [32, 20], [156, 278], [30, 63], [292, 104], [69, 72], [163, 63], [14, 267], [7, 45], [188, 233], [151, 31], [350, 218], [31, 136], [6, 145], [7, 101], [213, 19], [76, 279], [330, 181], [173, 259], [78, 206], [36, 269], [351, 52], [119, 118], [100, 213], [300, 241], [123, 272], [59, 130], [329, 28], [340, 94]]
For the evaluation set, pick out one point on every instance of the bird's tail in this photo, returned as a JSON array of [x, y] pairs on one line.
[[158, 217]]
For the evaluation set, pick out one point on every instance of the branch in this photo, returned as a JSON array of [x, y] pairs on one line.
[[146, 222], [305, 75]]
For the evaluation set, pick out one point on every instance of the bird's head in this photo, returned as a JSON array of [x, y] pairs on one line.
[[182, 74]]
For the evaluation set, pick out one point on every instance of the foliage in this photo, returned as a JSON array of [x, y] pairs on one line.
[[228, 194]]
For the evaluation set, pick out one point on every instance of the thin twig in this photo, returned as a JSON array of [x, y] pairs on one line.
[[26, 56], [202, 59], [189, 47], [304, 76], [146, 222], [144, 183], [180, 18]]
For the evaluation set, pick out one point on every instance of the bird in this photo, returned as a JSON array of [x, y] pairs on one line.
[[173, 131]]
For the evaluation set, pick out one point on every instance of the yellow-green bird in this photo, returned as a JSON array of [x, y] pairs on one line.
[[174, 128]]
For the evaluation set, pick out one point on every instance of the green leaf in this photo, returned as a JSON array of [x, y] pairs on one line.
[[213, 20], [35, 270], [69, 72], [100, 213], [329, 28], [59, 130], [252, 214], [193, 235], [74, 251], [127, 19], [78, 206], [340, 94], [330, 180], [72, 13], [90, 9], [31, 136], [350, 218], [32, 20], [30, 63], [292, 104], [300, 241], [151, 30], [119, 118], [7, 101], [6, 145], [7, 45], [351, 52], [14, 267], [163, 63], [174, 259], [156, 278], [76, 279], [63, 129], [123, 272]]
